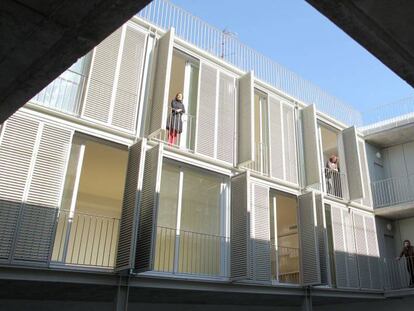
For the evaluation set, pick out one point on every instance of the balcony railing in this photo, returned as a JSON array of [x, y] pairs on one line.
[[222, 44], [285, 264], [393, 191], [85, 240], [187, 252], [261, 163], [398, 274], [335, 183]]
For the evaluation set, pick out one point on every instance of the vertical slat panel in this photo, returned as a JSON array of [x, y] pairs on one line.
[[226, 118], [322, 240], [161, 82], [309, 251], [362, 251], [98, 96], [130, 206], [240, 227], [373, 252], [367, 201], [351, 252], [16, 152], [38, 218], [148, 208], [206, 120], [245, 128], [338, 232], [260, 233], [290, 143], [310, 146], [277, 165], [129, 81], [353, 165]]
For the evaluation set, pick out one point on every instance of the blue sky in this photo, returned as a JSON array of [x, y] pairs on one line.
[[298, 37]]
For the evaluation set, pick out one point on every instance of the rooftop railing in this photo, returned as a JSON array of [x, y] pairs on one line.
[[222, 44]]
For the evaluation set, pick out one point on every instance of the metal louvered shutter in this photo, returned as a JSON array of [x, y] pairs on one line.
[[245, 128], [310, 146], [38, 218], [365, 174], [240, 227], [362, 251], [351, 257], [309, 249], [97, 104], [353, 165], [130, 204], [321, 232], [206, 117], [130, 73], [289, 142], [16, 150], [373, 252], [161, 82], [339, 244], [226, 118], [148, 209], [260, 233], [277, 164]]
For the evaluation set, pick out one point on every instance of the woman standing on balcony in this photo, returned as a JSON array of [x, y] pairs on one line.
[[408, 253], [333, 178], [174, 120]]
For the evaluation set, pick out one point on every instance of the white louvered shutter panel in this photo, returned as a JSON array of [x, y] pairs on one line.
[[322, 240], [339, 241], [362, 251], [367, 201], [373, 252], [226, 118], [206, 121], [260, 233], [38, 218], [309, 249], [289, 132], [240, 227], [351, 257], [245, 128], [310, 146], [147, 211], [130, 205], [97, 102], [277, 164], [16, 150], [161, 82], [353, 165], [129, 81]]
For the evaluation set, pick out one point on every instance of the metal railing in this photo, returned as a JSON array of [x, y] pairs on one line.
[[64, 93], [285, 264], [187, 252], [261, 163], [335, 182], [179, 132], [222, 44], [398, 274], [395, 190], [85, 239]]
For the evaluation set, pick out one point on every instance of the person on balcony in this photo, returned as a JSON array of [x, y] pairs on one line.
[[333, 179], [174, 121], [408, 253]]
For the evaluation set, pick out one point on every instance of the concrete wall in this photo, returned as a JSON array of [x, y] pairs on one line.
[[404, 230], [396, 304], [375, 164]]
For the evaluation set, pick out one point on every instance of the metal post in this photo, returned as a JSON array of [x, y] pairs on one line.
[[122, 295], [307, 300]]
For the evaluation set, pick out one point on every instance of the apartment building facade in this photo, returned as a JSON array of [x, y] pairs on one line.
[[95, 193]]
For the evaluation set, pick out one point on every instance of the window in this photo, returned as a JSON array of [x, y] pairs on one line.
[[191, 221], [88, 225]]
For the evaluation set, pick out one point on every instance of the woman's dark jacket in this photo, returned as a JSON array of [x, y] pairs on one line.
[[174, 121]]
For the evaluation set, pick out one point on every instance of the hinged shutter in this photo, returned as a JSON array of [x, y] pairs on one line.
[[367, 201], [38, 218], [289, 143], [161, 82], [226, 118], [245, 128], [352, 264], [309, 249], [260, 233], [144, 251], [97, 104], [130, 204], [277, 164], [373, 252], [240, 227], [353, 164], [206, 120], [130, 73], [362, 251], [322, 240], [310, 146]]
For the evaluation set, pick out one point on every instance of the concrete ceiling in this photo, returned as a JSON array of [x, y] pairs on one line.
[[41, 38], [383, 27]]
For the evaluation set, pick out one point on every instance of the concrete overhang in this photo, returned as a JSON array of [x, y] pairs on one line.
[[400, 211], [383, 27], [41, 39]]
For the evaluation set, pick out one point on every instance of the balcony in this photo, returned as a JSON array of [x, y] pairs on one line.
[[393, 191], [285, 264], [260, 165], [335, 183]]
